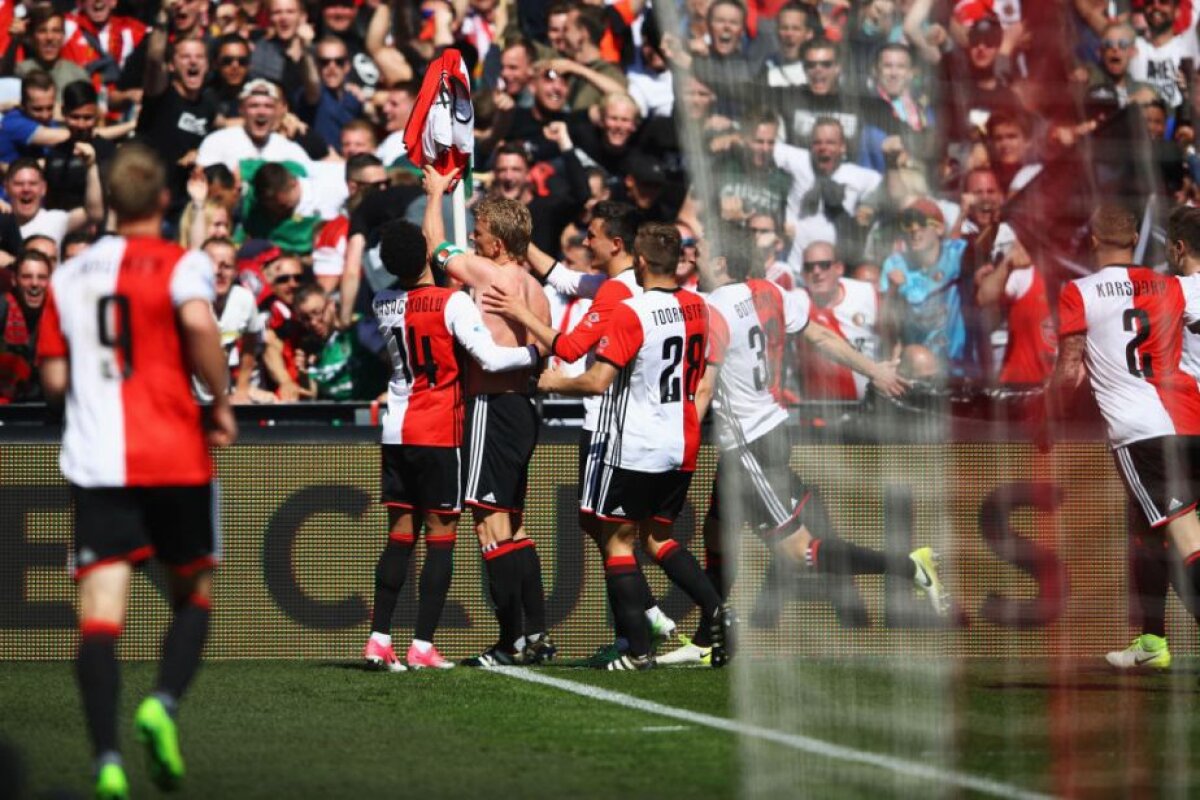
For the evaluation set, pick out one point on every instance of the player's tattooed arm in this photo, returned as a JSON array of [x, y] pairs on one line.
[[1069, 372], [598, 377]]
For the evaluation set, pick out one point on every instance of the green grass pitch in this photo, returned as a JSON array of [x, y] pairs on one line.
[[316, 729]]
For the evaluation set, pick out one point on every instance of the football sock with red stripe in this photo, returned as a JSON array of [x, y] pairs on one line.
[[623, 580], [684, 571], [839, 557], [389, 580], [533, 595], [183, 646], [99, 682], [1149, 572], [504, 585], [434, 586]]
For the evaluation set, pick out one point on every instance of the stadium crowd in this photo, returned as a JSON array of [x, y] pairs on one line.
[[921, 168]]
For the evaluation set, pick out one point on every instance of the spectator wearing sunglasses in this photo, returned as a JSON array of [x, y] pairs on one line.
[[282, 331], [849, 308], [921, 286], [1109, 81], [226, 82], [340, 101]]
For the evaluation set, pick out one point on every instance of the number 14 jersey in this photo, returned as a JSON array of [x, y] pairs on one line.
[[420, 327], [1134, 318]]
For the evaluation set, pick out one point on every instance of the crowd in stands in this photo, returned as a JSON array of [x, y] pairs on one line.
[[922, 168]]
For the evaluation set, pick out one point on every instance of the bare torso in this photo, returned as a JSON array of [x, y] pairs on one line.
[[511, 278]]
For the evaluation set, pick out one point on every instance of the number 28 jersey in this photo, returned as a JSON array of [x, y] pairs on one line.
[[420, 327], [131, 418], [658, 341], [1134, 318]]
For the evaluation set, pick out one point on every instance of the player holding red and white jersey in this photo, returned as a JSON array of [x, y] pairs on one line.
[[1124, 326], [653, 352], [421, 324], [125, 323], [750, 320]]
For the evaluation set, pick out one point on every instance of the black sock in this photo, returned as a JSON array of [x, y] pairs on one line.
[[1149, 577], [714, 568], [839, 557], [434, 585], [533, 596], [390, 573], [99, 682], [183, 645], [684, 571], [1191, 567], [504, 584], [621, 577]]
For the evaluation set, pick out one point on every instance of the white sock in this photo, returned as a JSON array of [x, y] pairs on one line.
[[534, 638], [381, 639], [654, 614], [422, 646], [519, 644]]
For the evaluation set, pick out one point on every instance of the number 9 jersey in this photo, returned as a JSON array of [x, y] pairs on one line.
[[131, 417], [1134, 318], [658, 342]]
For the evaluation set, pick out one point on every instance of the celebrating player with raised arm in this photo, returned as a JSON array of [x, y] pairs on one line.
[[610, 237], [749, 319], [125, 323], [501, 426], [1123, 327], [653, 352], [421, 467]]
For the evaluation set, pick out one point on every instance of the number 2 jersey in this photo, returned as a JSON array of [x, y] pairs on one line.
[[750, 323], [131, 418], [1134, 318], [658, 341], [420, 327]]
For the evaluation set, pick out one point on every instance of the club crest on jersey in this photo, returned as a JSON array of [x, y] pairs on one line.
[[603, 343], [859, 319], [593, 317], [938, 276]]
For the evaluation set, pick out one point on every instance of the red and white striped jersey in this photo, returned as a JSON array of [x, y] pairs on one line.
[[658, 341], [582, 339], [131, 418], [1134, 318], [749, 325], [420, 327], [566, 311], [855, 317]]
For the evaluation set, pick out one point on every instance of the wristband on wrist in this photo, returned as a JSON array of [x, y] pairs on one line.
[[444, 252]]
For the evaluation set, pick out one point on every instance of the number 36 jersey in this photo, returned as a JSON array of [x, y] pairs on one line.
[[1134, 319], [420, 327], [750, 322], [131, 418], [658, 342]]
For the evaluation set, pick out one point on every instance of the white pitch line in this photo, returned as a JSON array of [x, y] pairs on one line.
[[806, 744]]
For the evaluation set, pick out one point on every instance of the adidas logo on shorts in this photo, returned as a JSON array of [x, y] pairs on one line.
[[490, 497], [618, 510]]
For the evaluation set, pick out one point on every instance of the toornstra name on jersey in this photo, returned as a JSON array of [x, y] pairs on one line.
[[673, 315], [1131, 288]]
